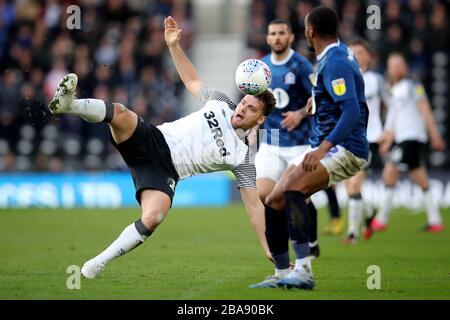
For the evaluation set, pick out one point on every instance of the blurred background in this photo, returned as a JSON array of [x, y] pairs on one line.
[[119, 55]]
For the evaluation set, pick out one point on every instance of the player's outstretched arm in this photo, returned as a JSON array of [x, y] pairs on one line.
[[255, 210], [184, 66]]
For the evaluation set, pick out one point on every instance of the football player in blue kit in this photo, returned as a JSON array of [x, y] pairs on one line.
[[339, 147], [284, 136]]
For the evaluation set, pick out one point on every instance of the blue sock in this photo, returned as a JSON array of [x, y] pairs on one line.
[[277, 236], [333, 203], [298, 222]]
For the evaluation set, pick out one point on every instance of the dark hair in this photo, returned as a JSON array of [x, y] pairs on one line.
[[363, 43], [268, 100], [280, 21], [324, 21]]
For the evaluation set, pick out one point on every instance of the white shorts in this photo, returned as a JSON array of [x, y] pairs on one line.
[[340, 163], [271, 160]]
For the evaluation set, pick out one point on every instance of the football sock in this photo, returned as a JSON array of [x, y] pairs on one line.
[[433, 214], [277, 236], [92, 110], [130, 238], [355, 209], [282, 273], [333, 203], [312, 224], [298, 222], [299, 263], [386, 204]]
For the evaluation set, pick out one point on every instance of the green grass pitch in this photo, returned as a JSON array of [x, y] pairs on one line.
[[209, 253]]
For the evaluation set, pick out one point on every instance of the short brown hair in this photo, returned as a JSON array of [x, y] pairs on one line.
[[280, 21], [268, 100]]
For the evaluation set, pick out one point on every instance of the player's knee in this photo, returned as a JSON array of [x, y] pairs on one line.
[[152, 218], [120, 111], [296, 183], [274, 201]]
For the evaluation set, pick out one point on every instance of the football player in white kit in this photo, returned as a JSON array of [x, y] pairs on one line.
[[409, 125], [375, 91], [210, 139]]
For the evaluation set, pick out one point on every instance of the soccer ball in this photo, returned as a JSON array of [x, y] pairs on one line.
[[253, 77]]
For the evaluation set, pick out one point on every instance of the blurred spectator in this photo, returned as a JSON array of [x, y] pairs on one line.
[[118, 55]]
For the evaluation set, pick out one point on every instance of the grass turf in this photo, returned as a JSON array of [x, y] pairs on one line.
[[209, 253]]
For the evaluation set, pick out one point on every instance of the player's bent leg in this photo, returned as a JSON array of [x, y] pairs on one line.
[[121, 120], [434, 220], [155, 205], [355, 206], [264, 187], [299, 186], [390, 175], [123, 123], [314, 249], [275, 199], [277, 236]]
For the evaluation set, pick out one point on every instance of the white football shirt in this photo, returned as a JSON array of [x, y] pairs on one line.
[[205, 141], [375, 92], [404, 116]]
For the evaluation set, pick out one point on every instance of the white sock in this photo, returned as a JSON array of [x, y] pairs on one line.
[[433, 214], [129, 239], [355, 209], [385, 205], [91, 110], [300, 262], [282, 273]]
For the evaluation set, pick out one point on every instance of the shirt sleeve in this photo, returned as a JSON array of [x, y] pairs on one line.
[[383, 90], [339, 81], [307, 76], [206, 94], [418, 92], [245, 173]]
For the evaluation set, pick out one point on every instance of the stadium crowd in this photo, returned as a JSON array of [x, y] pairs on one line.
[[119, 54]]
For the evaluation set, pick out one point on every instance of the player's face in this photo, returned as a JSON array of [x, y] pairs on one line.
[[248, 113], [279, 37], [362, 55], [397, 68]]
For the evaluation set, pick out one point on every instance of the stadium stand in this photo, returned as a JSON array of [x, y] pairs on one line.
[[119, 54]]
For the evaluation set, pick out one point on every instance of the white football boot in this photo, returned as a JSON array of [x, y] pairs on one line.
[[92, 268], [64, 95]]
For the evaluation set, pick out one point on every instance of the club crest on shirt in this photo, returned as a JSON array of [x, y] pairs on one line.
[[312, 77], [338, 86], [289, 78]]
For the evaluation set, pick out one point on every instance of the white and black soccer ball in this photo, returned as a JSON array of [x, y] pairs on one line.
[[253, 77]]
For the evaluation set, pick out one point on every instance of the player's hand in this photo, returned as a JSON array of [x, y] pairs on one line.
[[437, 142], [291, 119], [309, 107], [269, 256], [312, 159], [172, 34]]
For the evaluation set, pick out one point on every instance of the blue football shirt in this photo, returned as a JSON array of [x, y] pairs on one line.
[[291, 85], [338, 80]]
